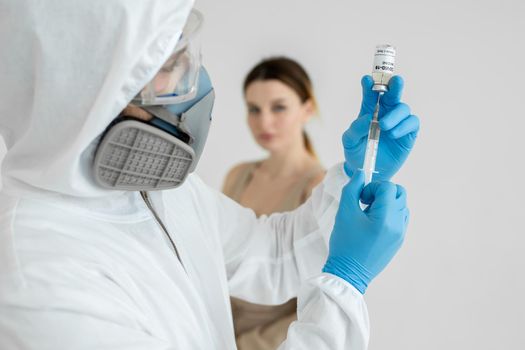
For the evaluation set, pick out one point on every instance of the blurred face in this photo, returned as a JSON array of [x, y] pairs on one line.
[[276, 115], [136, 112]]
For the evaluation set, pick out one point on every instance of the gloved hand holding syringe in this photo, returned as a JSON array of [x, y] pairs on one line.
[[383, 70], [399, 127]]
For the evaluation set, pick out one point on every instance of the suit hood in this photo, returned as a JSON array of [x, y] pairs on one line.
[[68, 68]]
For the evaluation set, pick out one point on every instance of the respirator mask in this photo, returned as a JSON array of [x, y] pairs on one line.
[[159, 153]]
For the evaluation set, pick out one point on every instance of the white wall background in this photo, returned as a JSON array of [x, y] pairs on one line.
[[458, 282]]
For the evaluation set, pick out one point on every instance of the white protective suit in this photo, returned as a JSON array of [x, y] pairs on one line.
[[86, 268]]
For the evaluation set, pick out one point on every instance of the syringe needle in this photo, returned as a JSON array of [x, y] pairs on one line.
[[382, 71], [372, 144], [376, 109]]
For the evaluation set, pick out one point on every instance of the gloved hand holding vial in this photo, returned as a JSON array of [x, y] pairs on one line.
[[381, 138]]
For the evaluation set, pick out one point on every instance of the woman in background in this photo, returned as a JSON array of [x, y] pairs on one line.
[[280, 100]]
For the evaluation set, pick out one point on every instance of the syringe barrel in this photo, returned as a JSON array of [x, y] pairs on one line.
[[372, 145], [374, 131]]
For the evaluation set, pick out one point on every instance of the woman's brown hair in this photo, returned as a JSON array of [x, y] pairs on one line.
[[290, 73]]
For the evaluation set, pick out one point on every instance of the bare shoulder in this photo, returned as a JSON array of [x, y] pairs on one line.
[[233, 175], [317, 179], [314, 181]]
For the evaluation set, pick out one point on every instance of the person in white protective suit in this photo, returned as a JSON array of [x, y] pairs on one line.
[[103, 104]]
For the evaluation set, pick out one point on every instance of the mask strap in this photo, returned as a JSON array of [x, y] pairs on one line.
[[162, 113]]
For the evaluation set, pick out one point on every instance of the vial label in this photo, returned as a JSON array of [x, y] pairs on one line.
[[384, 63]]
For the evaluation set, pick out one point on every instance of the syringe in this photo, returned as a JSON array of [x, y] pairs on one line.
[[372, 144], [382, 71]]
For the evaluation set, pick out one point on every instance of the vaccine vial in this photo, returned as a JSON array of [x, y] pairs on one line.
[[383, 69]]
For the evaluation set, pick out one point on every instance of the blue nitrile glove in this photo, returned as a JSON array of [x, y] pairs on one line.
[[399, 130], [363, 242]]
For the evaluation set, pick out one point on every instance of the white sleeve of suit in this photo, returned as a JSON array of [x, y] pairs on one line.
[[331, 315], [275, 258]]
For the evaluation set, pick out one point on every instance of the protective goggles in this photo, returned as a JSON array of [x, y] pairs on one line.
[[177, 80]]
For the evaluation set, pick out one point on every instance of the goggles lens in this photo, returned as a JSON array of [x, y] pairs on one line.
[[177, 80]]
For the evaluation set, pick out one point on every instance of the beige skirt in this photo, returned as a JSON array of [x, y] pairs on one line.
[[261, 327]]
